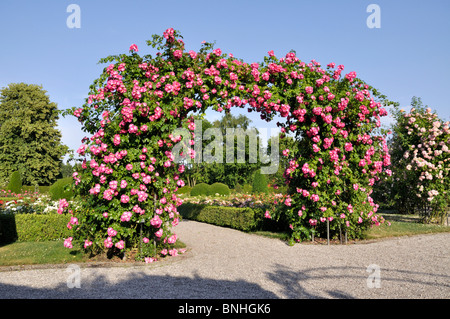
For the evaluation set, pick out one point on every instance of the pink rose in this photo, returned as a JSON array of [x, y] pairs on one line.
[[177, 54], [156, 222], [309, 89], [113, 184], [134, 48], [87, 243], [112, 232], [126, 216], [120, 244], [124, 199], [68, 242], [193, 54], [108, 242], [172, 239], [173, 252]]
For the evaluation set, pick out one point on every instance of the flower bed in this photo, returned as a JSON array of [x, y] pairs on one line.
[[238, 200], [27, 203]]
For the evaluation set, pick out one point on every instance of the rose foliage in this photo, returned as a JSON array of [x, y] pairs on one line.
[[129, 177]]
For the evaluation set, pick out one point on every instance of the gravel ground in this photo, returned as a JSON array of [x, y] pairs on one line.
[[225, 263]]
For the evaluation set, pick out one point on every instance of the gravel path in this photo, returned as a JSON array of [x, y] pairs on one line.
[[225, 263]]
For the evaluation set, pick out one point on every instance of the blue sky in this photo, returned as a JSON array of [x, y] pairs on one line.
[[407, 56]]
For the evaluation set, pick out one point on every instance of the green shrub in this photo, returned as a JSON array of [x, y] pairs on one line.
[[42, 227], [219, 188], [238, 188], [240, 218], [33, 227], [61, 189], [184, 190], [247, 188], [245, 219], [259, 183], [200, 189], [44, 189], [15, 183]]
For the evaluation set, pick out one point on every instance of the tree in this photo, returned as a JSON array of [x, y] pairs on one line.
[[223, 171], [66, 170], [29, 140], [246, 146]]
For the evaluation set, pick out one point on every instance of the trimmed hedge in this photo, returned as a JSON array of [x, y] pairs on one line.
[[210, 190], [58, 189], [40, 189], [259, 183], [33, 227], [184, 190], [219, 188], [200, 189], [245, 219], [15, 183]]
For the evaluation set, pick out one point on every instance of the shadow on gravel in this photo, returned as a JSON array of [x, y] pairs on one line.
[[142, 286], [314, 283], [324, 282]]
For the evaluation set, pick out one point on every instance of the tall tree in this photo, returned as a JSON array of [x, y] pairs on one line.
[[29, 140], [245, 153]]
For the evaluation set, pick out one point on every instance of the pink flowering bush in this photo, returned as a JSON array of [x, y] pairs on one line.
[[129, 179], [421, 170], [341, 150]]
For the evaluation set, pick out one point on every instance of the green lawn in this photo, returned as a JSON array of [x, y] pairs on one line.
[[30, 253], [48, 252], [404, 225]]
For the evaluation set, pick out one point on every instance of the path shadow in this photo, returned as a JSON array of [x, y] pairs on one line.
[[8, 229], [312, 283], [142, 286]]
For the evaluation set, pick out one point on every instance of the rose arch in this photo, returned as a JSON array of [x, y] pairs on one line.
[[128, 181]]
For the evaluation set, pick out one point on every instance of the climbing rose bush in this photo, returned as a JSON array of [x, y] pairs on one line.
[[129, 178], [341, 150], [421, 173]]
